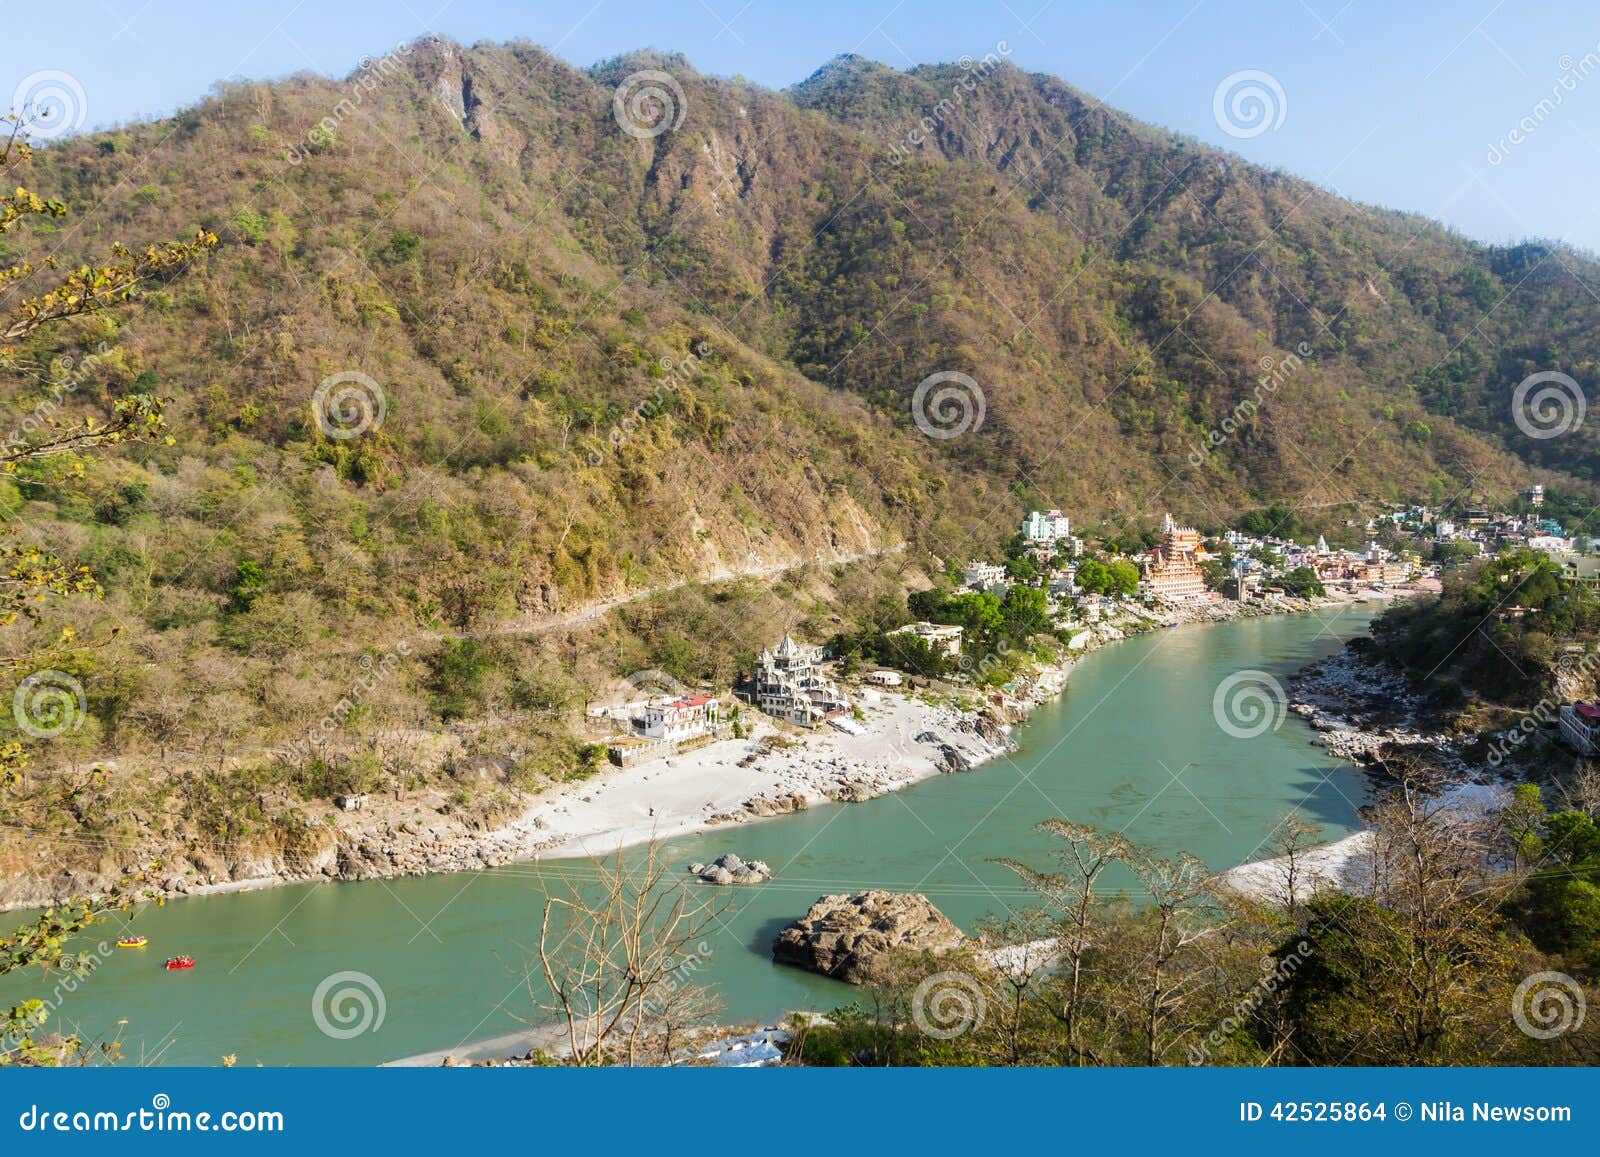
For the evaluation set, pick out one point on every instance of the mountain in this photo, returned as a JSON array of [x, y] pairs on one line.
[[480, 346]]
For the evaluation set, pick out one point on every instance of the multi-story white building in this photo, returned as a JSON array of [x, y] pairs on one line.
[[983, 575], [1046, 526], [681, 717], [790, 685]]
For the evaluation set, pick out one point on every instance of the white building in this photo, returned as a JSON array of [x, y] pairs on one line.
[[1046, 526], [681, 717], [983, 575], [790, 685], [1580, 727], [938, 636]]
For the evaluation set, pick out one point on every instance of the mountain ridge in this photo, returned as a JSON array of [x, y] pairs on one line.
[[487, 339]]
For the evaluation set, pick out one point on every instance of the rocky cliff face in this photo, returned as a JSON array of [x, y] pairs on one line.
[[849, 937]]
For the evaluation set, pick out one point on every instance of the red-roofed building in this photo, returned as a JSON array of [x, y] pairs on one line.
[[682, 717]]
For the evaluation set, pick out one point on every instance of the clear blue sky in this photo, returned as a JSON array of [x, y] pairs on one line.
[[1393, 102]]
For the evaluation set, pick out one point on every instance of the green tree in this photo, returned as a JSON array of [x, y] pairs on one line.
[[1092, 577], [1122, 577], [1025, 612], [1302, 582]]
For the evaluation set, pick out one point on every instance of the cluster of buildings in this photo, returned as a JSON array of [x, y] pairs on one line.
[[1477, 530], [789, 683], [1485, 531], [1257, 560]]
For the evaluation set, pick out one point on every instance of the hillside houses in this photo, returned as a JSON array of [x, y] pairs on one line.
[[938, 636]]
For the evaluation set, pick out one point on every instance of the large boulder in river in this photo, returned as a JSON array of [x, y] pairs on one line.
[[846, 936], [730, 869]]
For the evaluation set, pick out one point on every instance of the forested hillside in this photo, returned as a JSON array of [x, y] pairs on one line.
[[470, 354]]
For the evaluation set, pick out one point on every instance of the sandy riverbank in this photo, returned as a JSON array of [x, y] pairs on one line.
[[1346, 864], [774, 772], [904, 741], [1364, 712]]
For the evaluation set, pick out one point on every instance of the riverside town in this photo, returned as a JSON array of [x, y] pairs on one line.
[[1052, 555]]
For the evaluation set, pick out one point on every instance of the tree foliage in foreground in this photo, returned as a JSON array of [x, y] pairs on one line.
[[1419, 964], [34, 296]]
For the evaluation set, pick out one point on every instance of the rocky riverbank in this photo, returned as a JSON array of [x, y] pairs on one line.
[[773, 772], [1364, 711]]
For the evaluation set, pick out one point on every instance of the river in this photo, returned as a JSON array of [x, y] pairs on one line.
[[1132, 744]]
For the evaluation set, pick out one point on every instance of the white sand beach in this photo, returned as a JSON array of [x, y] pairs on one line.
[[741, 780], [1346, 864]]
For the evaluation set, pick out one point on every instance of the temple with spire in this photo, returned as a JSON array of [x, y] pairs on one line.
[[1172, 569], [790, 685]]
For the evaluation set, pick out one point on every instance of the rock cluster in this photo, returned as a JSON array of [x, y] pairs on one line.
[[762, 806], [855, 788], [730, 869], [1364, 712], [847, 937]]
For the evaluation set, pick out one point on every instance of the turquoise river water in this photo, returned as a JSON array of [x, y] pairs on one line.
[[1132, 744]]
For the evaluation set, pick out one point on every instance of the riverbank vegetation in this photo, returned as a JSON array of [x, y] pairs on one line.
[[1438, 959], [1504, 629], [589, 372]]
